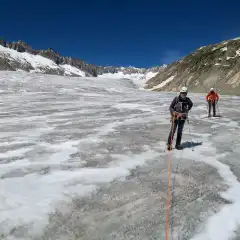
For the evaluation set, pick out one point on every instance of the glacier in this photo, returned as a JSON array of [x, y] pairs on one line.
[[84, 158]]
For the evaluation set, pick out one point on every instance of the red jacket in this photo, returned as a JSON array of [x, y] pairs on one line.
[[212, 97]]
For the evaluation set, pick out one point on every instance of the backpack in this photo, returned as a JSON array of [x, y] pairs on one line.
[[181, 106]]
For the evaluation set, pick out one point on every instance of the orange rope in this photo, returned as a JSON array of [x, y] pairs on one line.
[[168, 197], [169, 181]]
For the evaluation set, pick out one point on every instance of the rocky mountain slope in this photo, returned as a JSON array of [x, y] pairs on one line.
[[19, 56], [214, 65]]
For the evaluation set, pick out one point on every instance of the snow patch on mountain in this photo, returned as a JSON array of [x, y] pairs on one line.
[[223, 49], [162, 84], [35, 61], [73, 70]]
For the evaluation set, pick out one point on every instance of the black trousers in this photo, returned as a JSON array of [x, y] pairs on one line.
[[212, 104], [176, 123]]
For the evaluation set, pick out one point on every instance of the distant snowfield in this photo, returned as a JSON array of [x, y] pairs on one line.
[[83, 158], [138, 78]]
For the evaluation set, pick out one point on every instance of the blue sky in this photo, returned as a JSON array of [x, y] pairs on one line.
[[120, 33]]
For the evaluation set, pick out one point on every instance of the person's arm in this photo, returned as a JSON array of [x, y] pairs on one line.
[[207, 96], [190, 104], [171, 108]]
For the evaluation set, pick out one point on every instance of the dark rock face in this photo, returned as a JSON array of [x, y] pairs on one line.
[[215, 65], [21, 46], [52, 55], [2, 42], [5, 66], [22, 66]]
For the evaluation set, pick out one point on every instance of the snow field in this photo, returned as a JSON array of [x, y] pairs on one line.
[[63, 138]]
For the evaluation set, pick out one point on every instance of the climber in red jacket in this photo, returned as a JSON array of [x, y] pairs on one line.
[[212, 98]]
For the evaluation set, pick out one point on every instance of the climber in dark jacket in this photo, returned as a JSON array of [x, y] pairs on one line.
[[179, 109]]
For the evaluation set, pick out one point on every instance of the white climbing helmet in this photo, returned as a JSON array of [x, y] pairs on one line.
[[212, 89], [183, 90]]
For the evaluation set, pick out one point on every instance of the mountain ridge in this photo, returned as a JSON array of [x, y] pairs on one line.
[[75, 67], [215, 65]]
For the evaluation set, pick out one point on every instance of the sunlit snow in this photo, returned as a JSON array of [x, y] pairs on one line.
[[84, 158], [138, 78]]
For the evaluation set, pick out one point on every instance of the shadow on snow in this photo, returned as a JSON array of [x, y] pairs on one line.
[[191, 144]]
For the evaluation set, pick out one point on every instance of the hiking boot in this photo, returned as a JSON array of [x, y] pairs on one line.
[[179, 147]]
